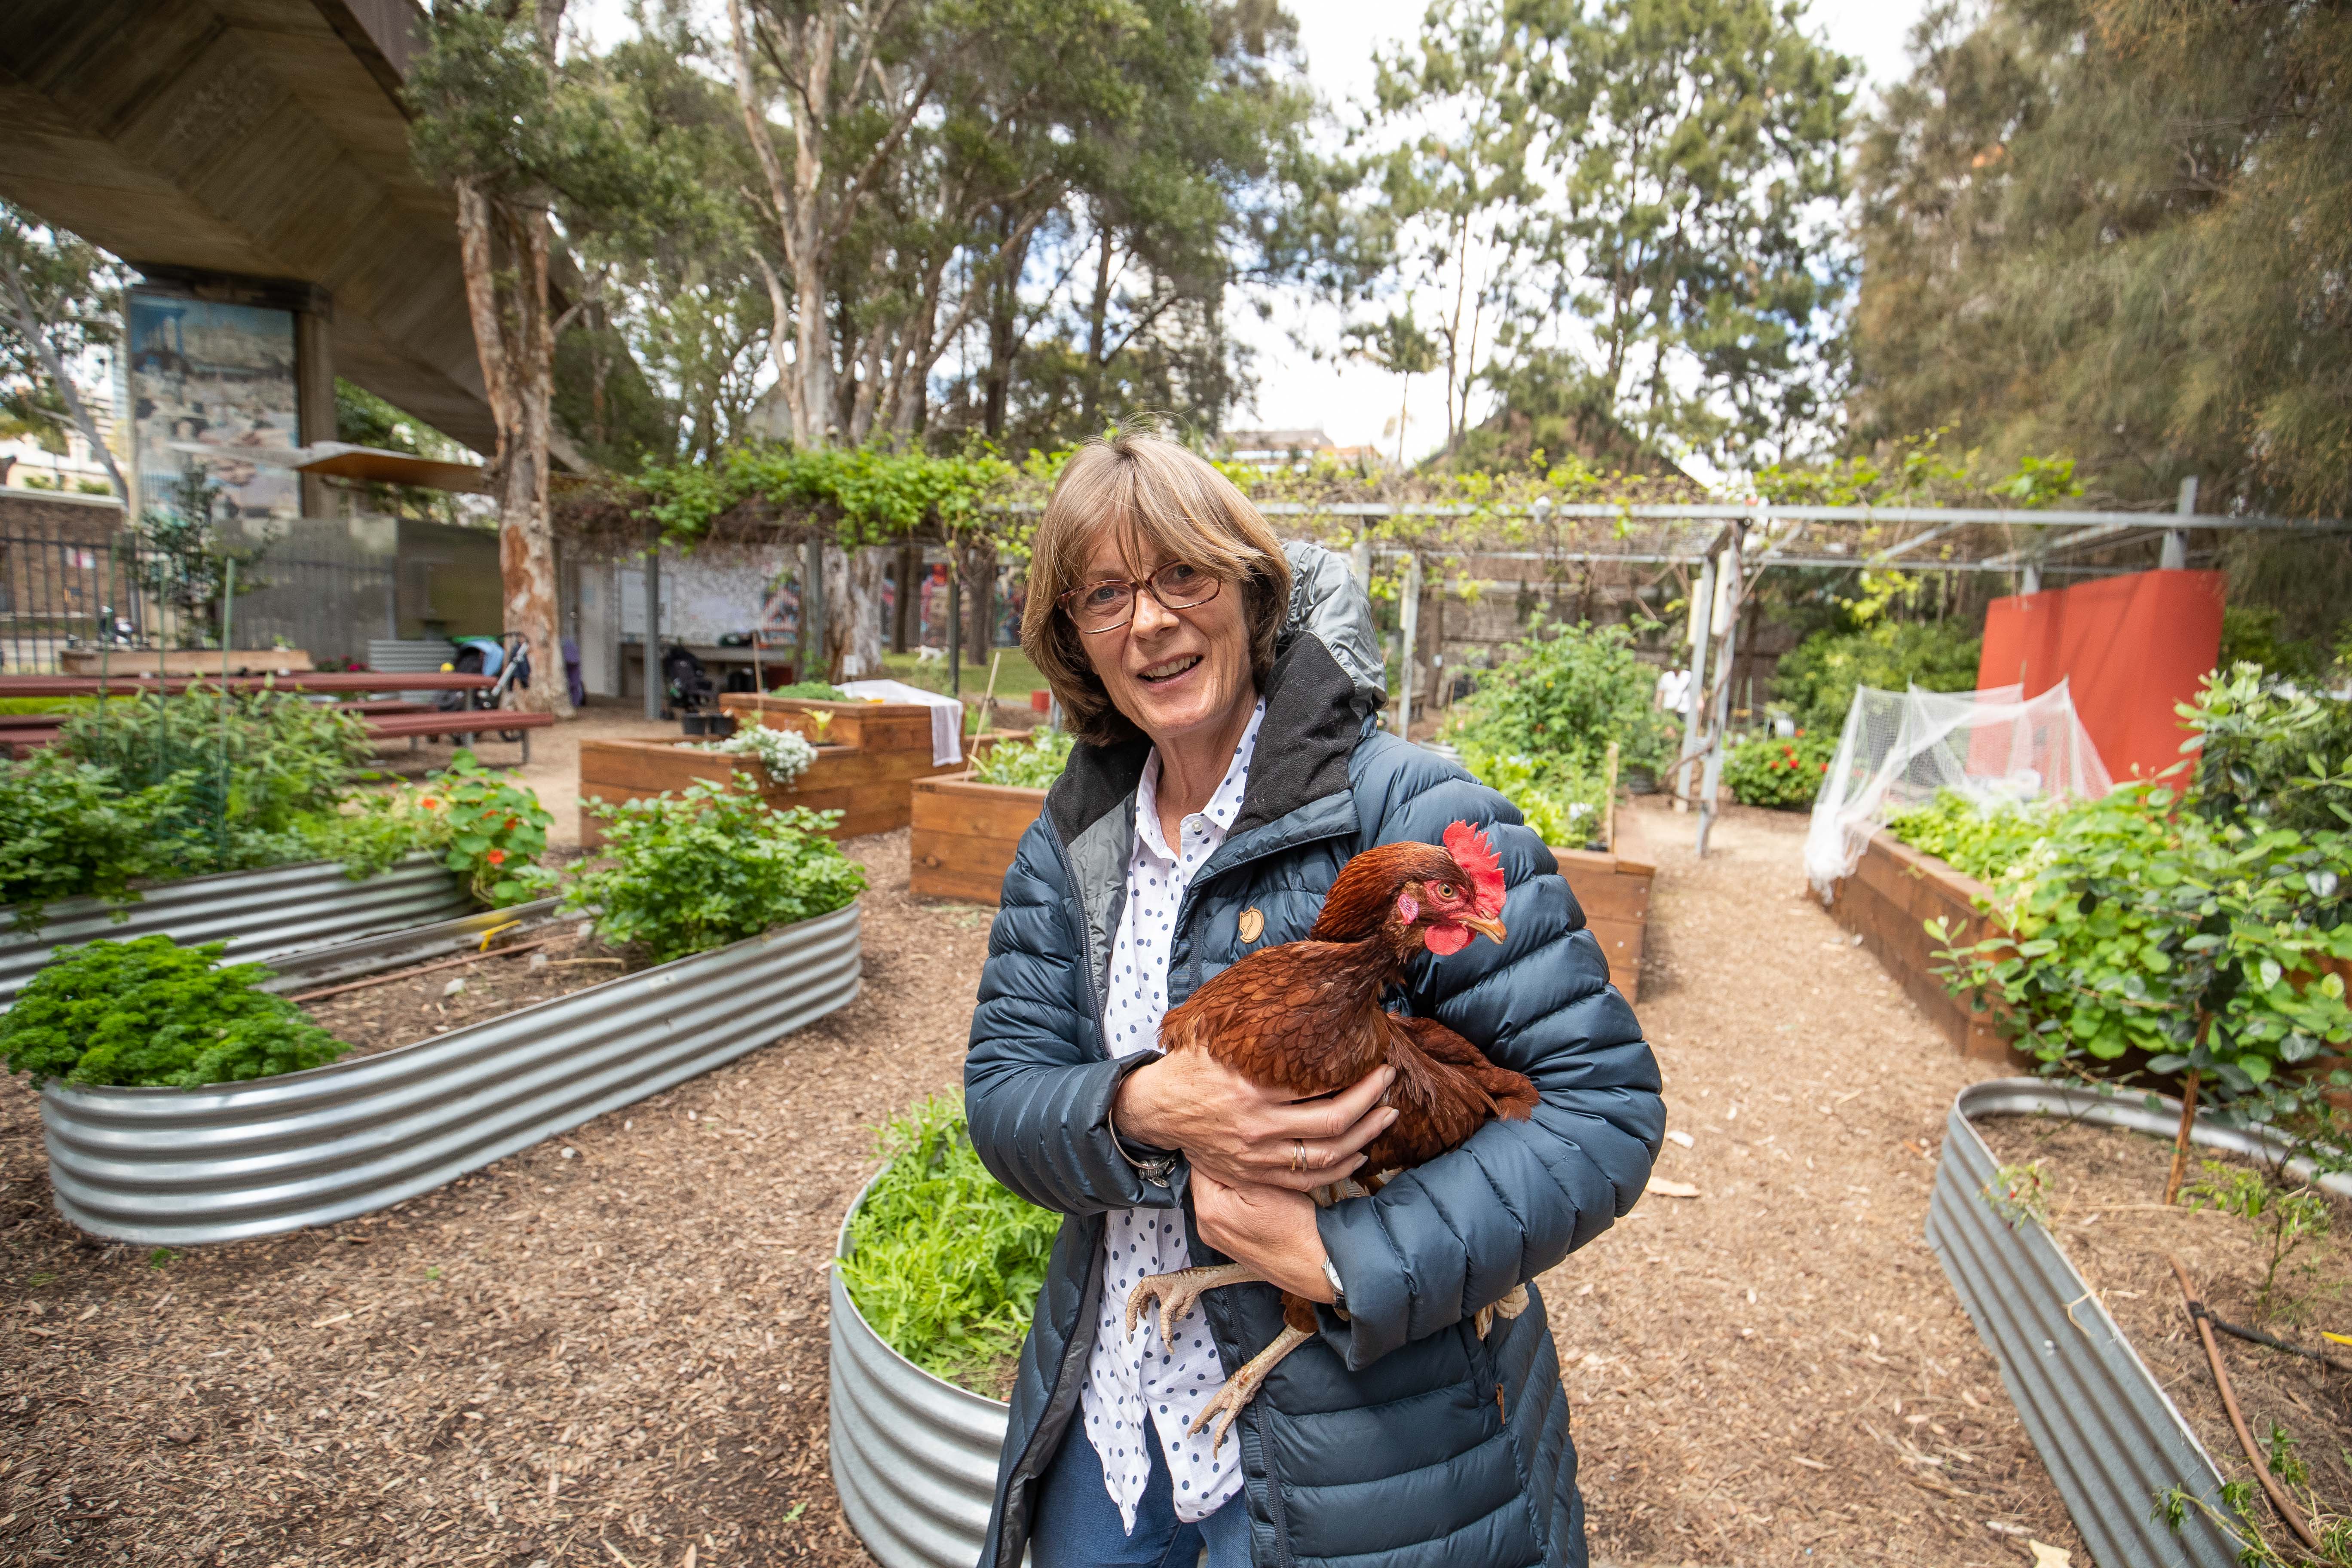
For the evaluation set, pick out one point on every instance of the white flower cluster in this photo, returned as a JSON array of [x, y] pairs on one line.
[[785, 754]]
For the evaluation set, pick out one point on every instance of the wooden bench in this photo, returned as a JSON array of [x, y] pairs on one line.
[[465, 721], [21, 735]]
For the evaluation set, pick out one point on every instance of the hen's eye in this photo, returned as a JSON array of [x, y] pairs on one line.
[[1443, 891]]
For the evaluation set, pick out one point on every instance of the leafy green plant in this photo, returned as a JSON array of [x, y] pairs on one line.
[[944, 1263], [1977, 838], [1563, 800], [147, 1014], [497, 831], [712, 865], [1817, 677], [1767, 770], [1565, 697], [68, 829], [784, 754], [2264, 748], [1033, 763], [2289, 1217], [812, 691]]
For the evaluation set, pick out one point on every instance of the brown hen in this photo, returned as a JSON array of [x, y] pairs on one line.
[[1304, 1019]]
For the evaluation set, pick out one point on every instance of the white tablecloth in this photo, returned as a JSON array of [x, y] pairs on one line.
[[947, 713]]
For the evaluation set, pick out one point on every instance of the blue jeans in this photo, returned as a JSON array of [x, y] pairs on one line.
[[1077, 1525]]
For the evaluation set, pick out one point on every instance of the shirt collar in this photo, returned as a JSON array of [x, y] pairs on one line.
[[1225, 801]]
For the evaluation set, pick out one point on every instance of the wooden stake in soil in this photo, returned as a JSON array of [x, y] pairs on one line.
[[2271, 1488], [988, 703], [2181, 1140]]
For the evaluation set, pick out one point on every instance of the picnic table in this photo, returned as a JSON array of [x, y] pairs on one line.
[[320, 683]]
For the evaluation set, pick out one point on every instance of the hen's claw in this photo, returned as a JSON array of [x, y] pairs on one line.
[[1176, 1293], [1226, 1403]]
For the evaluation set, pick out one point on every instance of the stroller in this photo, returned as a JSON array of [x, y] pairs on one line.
[[687, 679]]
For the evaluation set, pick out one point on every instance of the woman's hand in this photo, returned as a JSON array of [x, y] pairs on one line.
[[1270, 1228], [1246, 1136]]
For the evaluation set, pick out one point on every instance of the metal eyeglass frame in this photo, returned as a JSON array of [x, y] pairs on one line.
[[1135, 585]]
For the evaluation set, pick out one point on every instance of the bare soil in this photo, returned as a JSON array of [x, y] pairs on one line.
[[2104, 1189], [415, 1004], [620, 1354]]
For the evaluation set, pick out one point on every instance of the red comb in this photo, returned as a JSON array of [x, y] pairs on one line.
[[1470, 851]]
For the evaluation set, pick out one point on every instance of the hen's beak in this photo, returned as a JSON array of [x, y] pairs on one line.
[[1493, 930]]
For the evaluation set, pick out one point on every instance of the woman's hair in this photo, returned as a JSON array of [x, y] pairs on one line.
[[1166, 504]]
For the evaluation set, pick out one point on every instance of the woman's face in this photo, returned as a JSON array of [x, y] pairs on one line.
[[1173, 672]]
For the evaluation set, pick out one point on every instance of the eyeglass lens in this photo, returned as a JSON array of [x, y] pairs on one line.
[[1177, 586]]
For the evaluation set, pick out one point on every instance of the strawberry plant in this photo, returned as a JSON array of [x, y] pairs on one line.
[[150, 1014], [684, 873]]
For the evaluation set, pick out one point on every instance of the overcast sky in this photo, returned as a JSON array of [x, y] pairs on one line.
[[1354, 403]]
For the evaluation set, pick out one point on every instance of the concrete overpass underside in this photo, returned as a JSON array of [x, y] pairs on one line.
[[264, 138]]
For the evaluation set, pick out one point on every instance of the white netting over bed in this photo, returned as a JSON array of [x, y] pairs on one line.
[[1900, 747]]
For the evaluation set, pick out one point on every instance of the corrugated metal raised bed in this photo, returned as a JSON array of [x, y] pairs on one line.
[[259, 914], [914, 1457], [185, 1166], [2109, 1435]]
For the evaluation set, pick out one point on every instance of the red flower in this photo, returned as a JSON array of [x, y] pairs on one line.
[[496, 856]]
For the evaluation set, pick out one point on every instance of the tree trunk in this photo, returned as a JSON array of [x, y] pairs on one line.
[[31, 325], [1097, 326], [516, 341], [976, 569]]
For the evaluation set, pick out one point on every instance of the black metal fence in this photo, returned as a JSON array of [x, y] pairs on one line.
[[68, 590]]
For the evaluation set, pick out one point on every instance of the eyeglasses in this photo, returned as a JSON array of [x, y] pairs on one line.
[[1108, 603]]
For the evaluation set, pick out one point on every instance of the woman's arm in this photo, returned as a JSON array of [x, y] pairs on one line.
[[1037, 1092], [1440, 1241]]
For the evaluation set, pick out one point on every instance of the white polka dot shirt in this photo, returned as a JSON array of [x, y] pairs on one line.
[[1132, 1381]]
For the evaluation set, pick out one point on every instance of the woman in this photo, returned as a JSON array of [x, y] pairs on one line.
[[1223, 695]]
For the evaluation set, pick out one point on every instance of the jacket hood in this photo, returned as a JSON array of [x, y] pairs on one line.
[[1329, 605]]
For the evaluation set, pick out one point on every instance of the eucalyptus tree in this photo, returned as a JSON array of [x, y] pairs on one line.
[[522, 141], [1649, 186], [59, 298]]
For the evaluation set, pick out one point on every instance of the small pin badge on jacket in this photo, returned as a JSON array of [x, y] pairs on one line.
[[1252, 925]]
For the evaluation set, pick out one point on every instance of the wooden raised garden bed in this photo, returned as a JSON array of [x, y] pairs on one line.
[[872, 755], [1612, 887], [1892, 893], [965, 834]]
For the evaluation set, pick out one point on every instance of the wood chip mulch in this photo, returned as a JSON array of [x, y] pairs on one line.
[[608, 1349], [411, 1004], [2105, 1190], [1777, 1370]]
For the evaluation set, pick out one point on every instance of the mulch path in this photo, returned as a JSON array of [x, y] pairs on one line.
[[619, 1354], [1777, 1370], [2104, 1189]]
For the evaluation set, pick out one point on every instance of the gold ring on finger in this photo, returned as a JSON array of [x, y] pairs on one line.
[[1297, 1154]]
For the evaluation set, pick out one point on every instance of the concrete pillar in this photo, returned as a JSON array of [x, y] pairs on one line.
[[314, 391], [653, 692], [1410, 608], [2028, 581]]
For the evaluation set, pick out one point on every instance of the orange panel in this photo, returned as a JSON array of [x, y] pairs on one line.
[[2130, 647]]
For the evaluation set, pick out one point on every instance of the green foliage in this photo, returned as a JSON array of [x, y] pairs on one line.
[[1979, 839], [184, 563], [1539, 727], [58, 300], [2268, 754], [815, 690], [944, 1263], [284, 757], [868, 495], [1817, 678], [1566, 696], [495, 831], [2125, 187], [70, 829], [2289, 1217], [1766, 770], [150, 1014], [1032, 764], [688, 872]]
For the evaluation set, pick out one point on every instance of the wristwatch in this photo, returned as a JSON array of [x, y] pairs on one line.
[[1339, 1291]]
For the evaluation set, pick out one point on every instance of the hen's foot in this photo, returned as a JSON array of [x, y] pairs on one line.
[[1176, 1293], [1510, 1306], [1226, 1403]]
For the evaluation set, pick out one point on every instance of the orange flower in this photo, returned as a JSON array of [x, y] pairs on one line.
[[496, 856], [429, 804]]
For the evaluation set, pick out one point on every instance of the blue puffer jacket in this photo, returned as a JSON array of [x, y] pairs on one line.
[[1399, 1439]]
